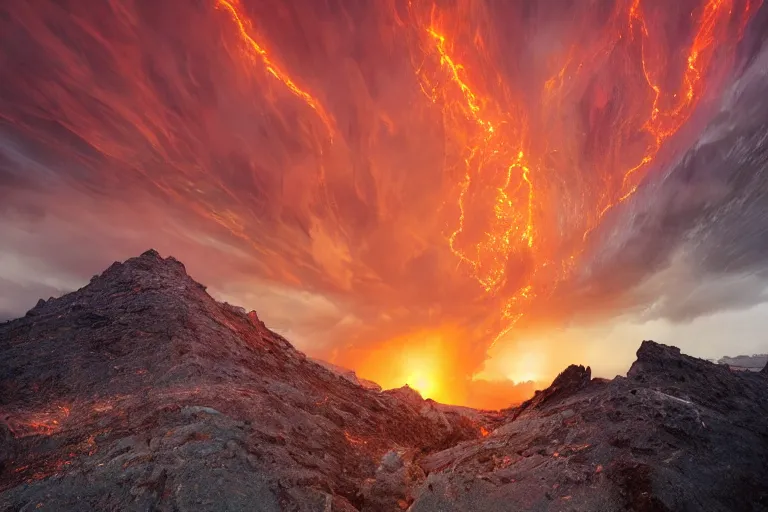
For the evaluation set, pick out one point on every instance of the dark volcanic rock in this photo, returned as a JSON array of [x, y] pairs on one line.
[[571, 380], [140, 392], [679, 433]]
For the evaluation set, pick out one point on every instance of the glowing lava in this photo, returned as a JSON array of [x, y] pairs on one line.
[[488, 148], [508, 190]]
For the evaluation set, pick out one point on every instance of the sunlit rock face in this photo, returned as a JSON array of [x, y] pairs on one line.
[[141, 392], [423, 181]]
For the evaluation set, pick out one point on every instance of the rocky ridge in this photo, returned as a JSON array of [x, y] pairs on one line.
[[753, 363], [141, 392]]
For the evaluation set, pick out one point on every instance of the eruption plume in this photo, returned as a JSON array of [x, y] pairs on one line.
[[397, 187]]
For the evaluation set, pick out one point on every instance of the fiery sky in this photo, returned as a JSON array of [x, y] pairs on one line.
[[444, 193]]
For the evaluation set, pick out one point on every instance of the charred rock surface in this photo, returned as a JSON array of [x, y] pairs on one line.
[[141, 392], [678, 433]]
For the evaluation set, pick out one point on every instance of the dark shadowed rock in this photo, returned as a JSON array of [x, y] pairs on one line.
[[679, 433], [654, 358], [141, 392], [569, 381]]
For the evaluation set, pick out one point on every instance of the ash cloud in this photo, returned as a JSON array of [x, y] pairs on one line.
[[694, 241], [125, 126]]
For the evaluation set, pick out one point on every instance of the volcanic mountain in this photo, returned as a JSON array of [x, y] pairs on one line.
[[141, 392]]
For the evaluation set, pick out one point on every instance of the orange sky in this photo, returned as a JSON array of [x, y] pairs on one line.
[[403, 187]]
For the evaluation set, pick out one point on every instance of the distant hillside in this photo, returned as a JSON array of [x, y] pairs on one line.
[[755, 362]]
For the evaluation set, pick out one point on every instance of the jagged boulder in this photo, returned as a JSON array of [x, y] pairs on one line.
[[569, 381], [394, 484]]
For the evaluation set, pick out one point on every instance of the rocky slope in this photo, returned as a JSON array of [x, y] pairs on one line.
[[140, 392]]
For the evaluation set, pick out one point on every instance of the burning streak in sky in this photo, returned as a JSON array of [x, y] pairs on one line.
[[434, 174], [269, 66], [493, 145]]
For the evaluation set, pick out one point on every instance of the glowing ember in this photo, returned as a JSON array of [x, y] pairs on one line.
[[353, 440], [45, 423]]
